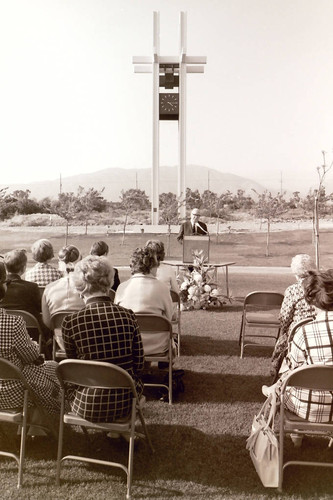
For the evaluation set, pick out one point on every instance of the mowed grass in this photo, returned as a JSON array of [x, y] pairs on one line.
[[246, 249], [200, 440]]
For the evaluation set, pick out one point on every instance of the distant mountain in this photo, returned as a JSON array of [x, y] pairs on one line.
[[116, 179]]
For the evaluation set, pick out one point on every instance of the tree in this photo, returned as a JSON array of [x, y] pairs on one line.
[[209, 202], [267, 208], [193, 199], [7, 204], [131, 200], [23, 203], [66, 206], [319, 193], [90, 200], [169, 212]]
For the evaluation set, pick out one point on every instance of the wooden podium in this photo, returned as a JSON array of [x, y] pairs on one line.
[[192, 244]]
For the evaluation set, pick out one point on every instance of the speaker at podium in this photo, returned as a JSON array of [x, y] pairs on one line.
[[193, 244]]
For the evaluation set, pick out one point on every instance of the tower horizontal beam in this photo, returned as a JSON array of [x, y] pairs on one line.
[[169, 59], [148, 69]]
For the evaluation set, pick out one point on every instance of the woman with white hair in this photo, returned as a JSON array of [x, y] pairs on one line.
[[102, 331], [294, 308]]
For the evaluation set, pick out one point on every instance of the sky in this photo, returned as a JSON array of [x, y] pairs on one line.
[[70, 102]]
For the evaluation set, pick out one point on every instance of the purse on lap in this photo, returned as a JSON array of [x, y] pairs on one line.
[[263, 444]]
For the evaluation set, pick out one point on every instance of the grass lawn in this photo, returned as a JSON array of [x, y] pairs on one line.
[[199, 441], [246, 249]]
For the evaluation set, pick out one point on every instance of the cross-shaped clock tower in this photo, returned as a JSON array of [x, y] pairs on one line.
[[169, 73]]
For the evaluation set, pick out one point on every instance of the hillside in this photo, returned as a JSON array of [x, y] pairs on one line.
[[116, 179]]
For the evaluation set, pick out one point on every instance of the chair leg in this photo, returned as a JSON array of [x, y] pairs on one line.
[[145, 430], [23, 440], [60, 439], [281, 450], [131, 452]]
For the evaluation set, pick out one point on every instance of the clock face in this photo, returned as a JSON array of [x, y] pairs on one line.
[[169, 105]]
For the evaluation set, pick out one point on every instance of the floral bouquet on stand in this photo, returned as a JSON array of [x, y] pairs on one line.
[[197, 287]]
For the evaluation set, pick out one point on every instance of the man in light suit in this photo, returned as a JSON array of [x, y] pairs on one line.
[[192, 227]]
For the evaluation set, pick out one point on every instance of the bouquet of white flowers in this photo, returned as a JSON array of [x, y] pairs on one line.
[[197, 289]]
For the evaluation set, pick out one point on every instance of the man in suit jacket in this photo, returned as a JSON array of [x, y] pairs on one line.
[[192, 227]]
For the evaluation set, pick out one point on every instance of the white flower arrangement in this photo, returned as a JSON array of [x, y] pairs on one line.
[[197, 289]]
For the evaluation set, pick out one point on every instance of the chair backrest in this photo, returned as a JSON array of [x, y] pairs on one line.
[[57, 318], [94, 374], [297, 325], [175, 297], [9, 371], [152, 323], [263, 298], [156, 333], [41, 290], [315, 377], [30, 320]]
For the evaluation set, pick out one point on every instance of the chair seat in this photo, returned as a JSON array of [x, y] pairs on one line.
[[120, 425], [291, 419], [262, 317], [12, 416]]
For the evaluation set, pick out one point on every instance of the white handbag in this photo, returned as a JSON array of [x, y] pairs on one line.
[[263, 444]]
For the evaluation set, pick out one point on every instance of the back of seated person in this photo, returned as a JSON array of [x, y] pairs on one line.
[[62, 294], [165, 274], [143, 292], [42, 273], [22, 294], [101, 249]]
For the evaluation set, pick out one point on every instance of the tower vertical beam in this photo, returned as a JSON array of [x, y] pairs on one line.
[[182, 117], [156, 141]]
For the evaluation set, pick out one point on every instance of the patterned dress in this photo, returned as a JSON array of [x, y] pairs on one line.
[[17, 347], [294, 308], [312, 345], [106, 332], [43, 274]]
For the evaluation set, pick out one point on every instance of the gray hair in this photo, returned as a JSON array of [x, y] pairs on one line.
[[93, 274], [301, 264]]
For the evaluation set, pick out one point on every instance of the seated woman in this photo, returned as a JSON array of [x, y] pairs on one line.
[[101, 249], [42, 273], [62, 294], [143, 292], [294, 308], [17, 347], [22, 294], [163, 273], [102, 331], [312, 344]]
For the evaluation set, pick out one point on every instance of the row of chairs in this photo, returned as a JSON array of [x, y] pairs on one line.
[[93, 374], [261, 312]]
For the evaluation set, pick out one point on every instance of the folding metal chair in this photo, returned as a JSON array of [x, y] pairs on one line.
[[31, 322], [156, 333], [176, 316], [313, 377], [41, 290], [58, 351], [260, 310], [112, 294], [19, 417], [99, 375]]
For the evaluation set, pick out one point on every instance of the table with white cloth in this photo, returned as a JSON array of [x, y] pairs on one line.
[[216, 265]]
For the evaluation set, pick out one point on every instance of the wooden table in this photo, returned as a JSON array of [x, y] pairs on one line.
[[215, 265]]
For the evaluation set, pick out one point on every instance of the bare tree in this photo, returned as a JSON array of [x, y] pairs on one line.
[[322, 171], [267, 208]]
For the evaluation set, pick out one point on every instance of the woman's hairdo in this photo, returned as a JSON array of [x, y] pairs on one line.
[[69, 254], [318, 289], [143, 260], [99, 248], [93, 274], [15, 260], [158, 247], [301, 264], [42, 250]]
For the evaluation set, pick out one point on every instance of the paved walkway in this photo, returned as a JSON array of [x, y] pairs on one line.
[[246, 270]]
